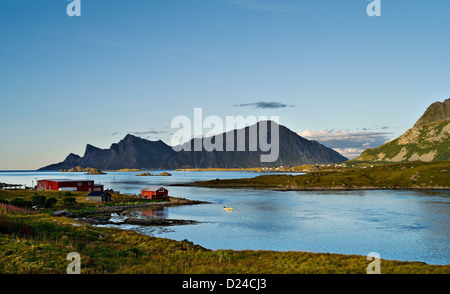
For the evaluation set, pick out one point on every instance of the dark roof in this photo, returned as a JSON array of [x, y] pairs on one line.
[[98, 193], [153, 188], [65, 180]]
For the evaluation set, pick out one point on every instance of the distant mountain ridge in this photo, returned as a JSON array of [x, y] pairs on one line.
[[130, 152], [428, 140], [293, 150], [135, 152]]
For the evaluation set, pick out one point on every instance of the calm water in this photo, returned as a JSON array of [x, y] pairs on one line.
[[400, 225]]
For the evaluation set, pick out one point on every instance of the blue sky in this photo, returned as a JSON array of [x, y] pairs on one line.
[[345, 78]]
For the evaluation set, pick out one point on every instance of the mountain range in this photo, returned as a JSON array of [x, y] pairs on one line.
[[136, 152], [428, 140]]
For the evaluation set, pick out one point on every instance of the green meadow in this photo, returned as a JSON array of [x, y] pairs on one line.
[[36, 242]]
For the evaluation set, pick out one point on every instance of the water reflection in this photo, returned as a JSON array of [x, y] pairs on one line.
[[155, 213]]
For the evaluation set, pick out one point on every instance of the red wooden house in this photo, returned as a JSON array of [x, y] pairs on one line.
[[155, 192], [69, 185]]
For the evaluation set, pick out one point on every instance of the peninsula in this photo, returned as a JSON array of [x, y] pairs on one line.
[[408, 175]]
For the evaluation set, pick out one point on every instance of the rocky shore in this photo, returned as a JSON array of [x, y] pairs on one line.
[[103, 215], [104, 220]]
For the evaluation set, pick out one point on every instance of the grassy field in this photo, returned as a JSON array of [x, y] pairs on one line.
[[410, 175], [70, 201], [39, 243], [36, 242]]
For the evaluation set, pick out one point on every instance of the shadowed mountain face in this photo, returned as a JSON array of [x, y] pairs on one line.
[[428, 140], [247, 145], [292, 150], [131, 152], [71, 161]]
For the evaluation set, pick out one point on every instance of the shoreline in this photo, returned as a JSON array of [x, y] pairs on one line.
[[402, 176], [366, 189], [255, 170], [337, 188], [103, 215], [175, 222], [113, 248], [159, 222]]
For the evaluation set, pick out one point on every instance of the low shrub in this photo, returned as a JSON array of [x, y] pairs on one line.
[[50, 203], [70, 202], [21, 203], [38, 200]]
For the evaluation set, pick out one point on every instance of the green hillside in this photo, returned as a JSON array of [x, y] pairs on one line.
[[428, 140]]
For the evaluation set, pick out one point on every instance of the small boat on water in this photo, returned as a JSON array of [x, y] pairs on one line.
[[228, 208]]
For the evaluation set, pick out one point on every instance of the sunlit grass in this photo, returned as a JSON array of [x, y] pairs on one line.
[[39, 243]]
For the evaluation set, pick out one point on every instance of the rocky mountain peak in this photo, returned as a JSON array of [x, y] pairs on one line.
[[435, 112]]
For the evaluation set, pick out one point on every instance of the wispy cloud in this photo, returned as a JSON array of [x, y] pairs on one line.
[[151, 134], [111, 134], [143, 134], [349, 144], [265, 105], [148, 133]]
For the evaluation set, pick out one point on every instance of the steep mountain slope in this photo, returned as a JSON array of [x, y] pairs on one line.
[[428, 140], [72, 160], [134, 152], [131, 152], [293, 150]]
